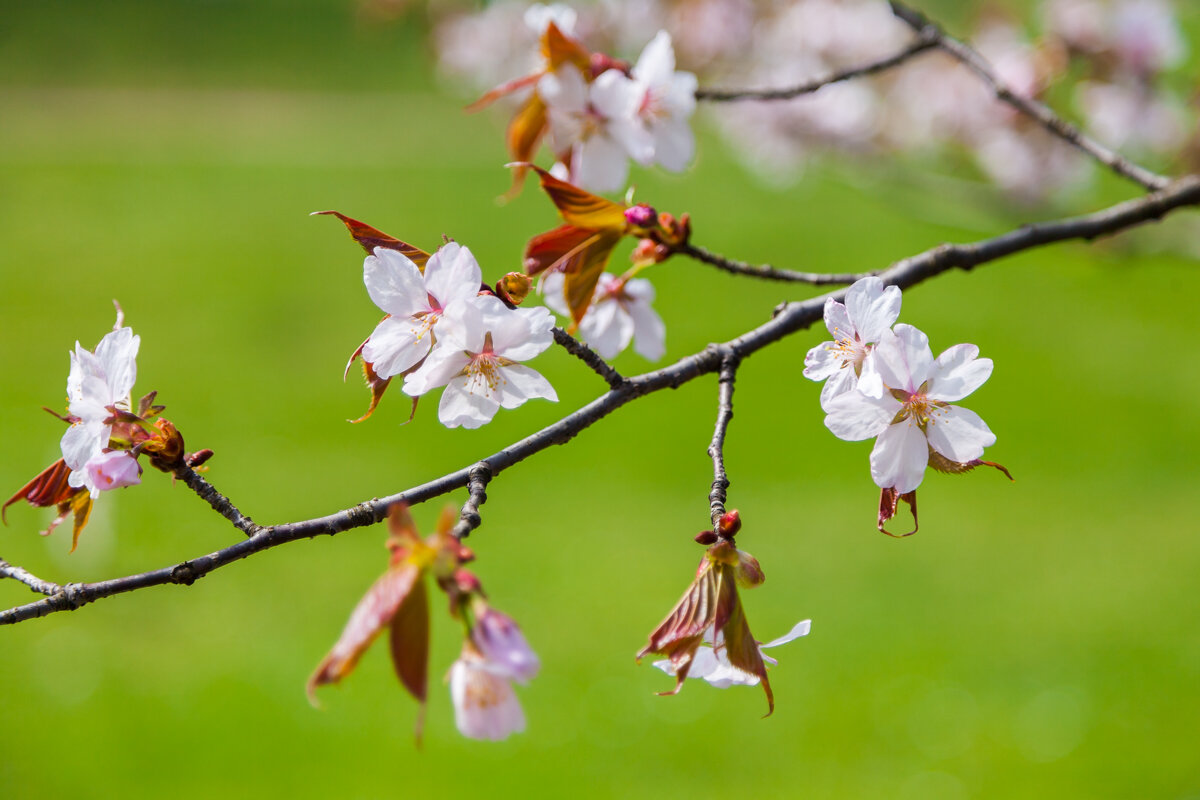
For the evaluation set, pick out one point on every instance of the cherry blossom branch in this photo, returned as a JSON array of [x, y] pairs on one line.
[[716, 451], [469, 519], [926, 40], [1033, 109], [766, 271], [218, 501], [588, 356], [35, 583], [789, 319]]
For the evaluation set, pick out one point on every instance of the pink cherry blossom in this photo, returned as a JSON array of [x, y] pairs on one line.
[[96, 382], [915, 412], [845, 363], [414, 301], [485, 706], [711, 663], [115, 469], [620, 312], [502, 645], [477, 361]]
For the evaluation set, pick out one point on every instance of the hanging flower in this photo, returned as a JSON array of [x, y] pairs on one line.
[[485, 705], [478, 362], [713, 665], [846, 363], [620, 312], [498, 639]]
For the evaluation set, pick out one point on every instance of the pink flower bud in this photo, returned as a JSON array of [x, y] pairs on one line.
[[503, 646], [114, 470], [729, 524], [641, 216]]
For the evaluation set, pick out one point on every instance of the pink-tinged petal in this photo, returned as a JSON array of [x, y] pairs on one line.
[[799, 629], [634, 138], [841, 382], [640, 289], [959, 434], [656, 65], [117, 354], [915, 352], [552, 293], [522, 383], [822, 361], [854, 417], [527, 332], [485, 706], [113, 470], [503, 646], [680, 98], [396, 345], [564, 89], [600, 164], [899, 458], [467, 406], [452, 274], [959, 371], [443, 365], [837, 320], [615, 96], [649, 332], [873, 308], [607, 328], [870, 382], [674, 143], [80, 443], [394, 283]]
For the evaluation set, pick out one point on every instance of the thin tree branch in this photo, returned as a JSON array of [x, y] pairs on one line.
[[218, 501], [35, 583], [716, 450], [766, 271], [790, 318], [925, 40], [1033, 109], [469, 519], [588, 356]]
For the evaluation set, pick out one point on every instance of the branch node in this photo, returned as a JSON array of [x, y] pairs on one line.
[[590, 357]]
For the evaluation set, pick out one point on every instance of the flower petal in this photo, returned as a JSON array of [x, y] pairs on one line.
[[394, 283], [958, 372], [853, 416], [899, 458], [396, 344], [452, 273], [799, 629], [523, 383], [462, 407], [841, 382], [117, 354], [649, 332], [873, 308], [443, 364], [822, 361], [837, 320], [959, 434]]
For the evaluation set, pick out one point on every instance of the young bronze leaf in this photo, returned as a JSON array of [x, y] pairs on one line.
[[409, 638], [582, 208], [558, 49], [503, 89], [370, 238], [48, 488], [369, 617], [743, 653], [80, 505], [547, 249], [583, 270], [524, 134], [692, 615]]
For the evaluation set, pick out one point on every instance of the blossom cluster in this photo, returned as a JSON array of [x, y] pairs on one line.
[[882, 382], [1121, 49]]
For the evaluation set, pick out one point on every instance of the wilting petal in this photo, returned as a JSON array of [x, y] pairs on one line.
[[959, 434], [899, 458]]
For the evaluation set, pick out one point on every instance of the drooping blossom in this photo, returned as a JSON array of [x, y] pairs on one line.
[[597, 124], [857, 326], [712, 664], [620, 312], [485, 705], [114, 469], [477, 360], [667, 100], [915, 413], [415, 302], [499, 640]]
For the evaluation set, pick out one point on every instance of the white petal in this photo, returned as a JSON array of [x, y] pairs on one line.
[[609, 328], [522, 383], [81, 442], [899, 458], [840, 382], [444, 363], [822, 361], [564, 89], [552, 293], [959, 434], [904, 359], [485, 706], [452, 273], [634, 138], [117, 354], [838, 321], [873, 308], [959, 372], [394, 283], [799, 629], [674, 143], [656, 64], [460, 406], [600, 164], [870, 382], [649, 332], [397, 344], [615, 96], [853, 416], [531, 338]]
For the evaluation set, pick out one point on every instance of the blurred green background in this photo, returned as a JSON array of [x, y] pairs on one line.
[[1040, 638]]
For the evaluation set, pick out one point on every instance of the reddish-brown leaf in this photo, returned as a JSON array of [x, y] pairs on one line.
[[48, 488], [80, 505], [558, 49], [370, 238], [369, 617], [503, 89], [546, 249], [410, 642], [692, 615], [742, 650], [525, 132], [583, 268], [582, 208], [889, 503]]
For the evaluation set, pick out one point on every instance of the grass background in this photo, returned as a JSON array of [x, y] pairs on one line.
[[1037, 638]]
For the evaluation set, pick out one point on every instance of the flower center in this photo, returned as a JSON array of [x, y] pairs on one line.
[[850, 349], [917, 407]]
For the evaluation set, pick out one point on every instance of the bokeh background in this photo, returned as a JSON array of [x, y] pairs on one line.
[[1039, 638]]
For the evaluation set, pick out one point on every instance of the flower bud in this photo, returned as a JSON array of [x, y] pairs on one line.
[[165, 446], [641, 216], [706, 537], [729, 524], [503, 646], [114, 470], [514, 287]]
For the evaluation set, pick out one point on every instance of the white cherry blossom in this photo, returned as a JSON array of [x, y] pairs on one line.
[[477, 361], [712, 664], [96, 382], [667, 100], [415, 302], [539, 16], [620, 312], [846, 362], [485, 706], [915, 413], [598, 124]]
